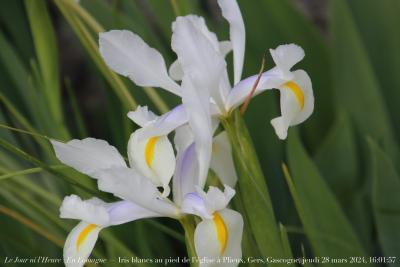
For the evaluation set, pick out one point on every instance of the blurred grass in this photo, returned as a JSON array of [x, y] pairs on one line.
[[351, 183]]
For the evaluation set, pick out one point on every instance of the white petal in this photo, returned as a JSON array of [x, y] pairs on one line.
[[142, 116], [225, 47], [292, 112], [302, 79], [222, 161], [127, 54], [215, 199], [128, 184], [164, 124], [186, 173], [126, 211], [198, 53], [88, 155], [153, 157], [176, 71], [231, 12], [73, 207], [220, 238], [194, 204], [286, 56], [80, 243], [197, 107], [183, 137], [239, 93]]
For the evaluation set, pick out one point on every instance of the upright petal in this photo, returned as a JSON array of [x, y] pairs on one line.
[[154, 158], [222, 161], [186, 173], [231, 12], [198, 53], [219, 239], [80, 243], [127, 54], [88, 155], [142, 116], [130, 185], [183, 137], [197, 107], [176, 71], [215, 199], [285, 57]]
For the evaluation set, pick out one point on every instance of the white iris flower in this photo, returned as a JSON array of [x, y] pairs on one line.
[[152, 164], [204, 86]]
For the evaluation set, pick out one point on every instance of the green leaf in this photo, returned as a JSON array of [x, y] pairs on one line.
[[338, 159], [376, 24], [358, 91], [47, 54], [252, 189], [386, 200], [326, 226]]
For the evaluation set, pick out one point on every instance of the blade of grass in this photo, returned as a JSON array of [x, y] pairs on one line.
[[30, 224], [29, 171], [20, 153]]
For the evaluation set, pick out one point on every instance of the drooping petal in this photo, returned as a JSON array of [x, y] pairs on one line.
[[186, 173], [219, 239], [154, 158], [142, 116], [222, 161], [176, 71], [130, 185], [164, 124], [91, 211], [285, 57], [80, 243], [88, 155], [198, 53], [127, 54], [231, 12], [297, 103], [197, 107]]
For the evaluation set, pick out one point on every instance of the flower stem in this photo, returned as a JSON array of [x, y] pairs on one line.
[[252, 189], [189, 226]]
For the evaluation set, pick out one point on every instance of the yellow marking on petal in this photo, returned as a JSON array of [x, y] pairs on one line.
[[149, 150], [222, 231], [85, 232], [297, 91]]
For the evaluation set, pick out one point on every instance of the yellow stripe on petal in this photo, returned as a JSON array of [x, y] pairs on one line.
[[149, 150], [85, 232], [297, 91], [222, 232]]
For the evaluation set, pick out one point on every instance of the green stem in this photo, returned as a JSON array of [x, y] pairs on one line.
[[189, 226], [252, 189]]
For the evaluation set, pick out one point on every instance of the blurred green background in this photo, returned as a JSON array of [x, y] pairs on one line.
[[344, 197]]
